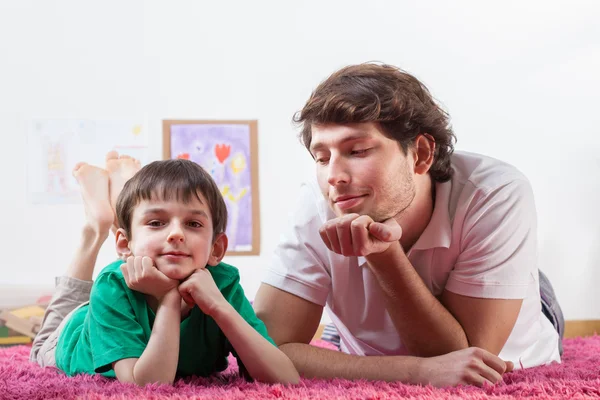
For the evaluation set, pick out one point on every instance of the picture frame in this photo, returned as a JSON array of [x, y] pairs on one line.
[[228, 150]]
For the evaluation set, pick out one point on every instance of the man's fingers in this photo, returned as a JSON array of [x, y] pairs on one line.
[[494, 362], [344, 234], [324, 237], [360, 234], [489, 373], [332, 236], [509, 366]]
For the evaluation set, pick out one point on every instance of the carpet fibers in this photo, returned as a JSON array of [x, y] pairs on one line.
[[577, 377]]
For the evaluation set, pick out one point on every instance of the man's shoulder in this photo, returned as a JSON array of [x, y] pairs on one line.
[[484, 173]]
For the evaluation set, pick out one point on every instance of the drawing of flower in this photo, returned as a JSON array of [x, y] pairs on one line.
[[222, 151], [238, 163]]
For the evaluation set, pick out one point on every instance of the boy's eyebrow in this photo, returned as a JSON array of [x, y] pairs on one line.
[[158, 210]]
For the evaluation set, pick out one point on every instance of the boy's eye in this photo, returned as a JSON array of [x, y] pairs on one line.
[[195, 224], [155, 223]]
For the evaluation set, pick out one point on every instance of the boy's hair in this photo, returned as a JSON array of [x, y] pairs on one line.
[[388, 96], [171, 179]]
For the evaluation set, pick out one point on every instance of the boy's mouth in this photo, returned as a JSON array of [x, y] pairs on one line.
[[175, 254]]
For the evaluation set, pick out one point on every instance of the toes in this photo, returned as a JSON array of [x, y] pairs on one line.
[[112, 155], [77, 166], [124, 156]]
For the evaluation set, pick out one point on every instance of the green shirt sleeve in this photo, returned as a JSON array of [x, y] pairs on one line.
[[116, 322], [242, 305]]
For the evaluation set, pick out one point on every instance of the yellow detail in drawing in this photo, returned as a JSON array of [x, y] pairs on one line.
[[228, 195], [137, 129], [238, 163]]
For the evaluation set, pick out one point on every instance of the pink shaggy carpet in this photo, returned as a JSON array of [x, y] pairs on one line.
[[577, 377]]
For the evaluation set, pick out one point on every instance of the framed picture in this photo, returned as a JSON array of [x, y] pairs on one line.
[[228, 150]]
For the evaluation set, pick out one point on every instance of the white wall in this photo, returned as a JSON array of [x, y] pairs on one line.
[[520, 80]]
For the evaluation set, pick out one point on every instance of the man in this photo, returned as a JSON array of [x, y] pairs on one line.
[[415, 250]]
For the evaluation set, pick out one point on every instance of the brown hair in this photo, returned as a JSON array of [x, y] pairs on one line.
[[388, 96], [171, 179]]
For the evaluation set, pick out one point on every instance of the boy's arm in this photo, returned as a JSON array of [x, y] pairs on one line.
[[263, 361], [158, 362]]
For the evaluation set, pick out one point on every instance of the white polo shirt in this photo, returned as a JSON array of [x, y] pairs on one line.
[[481, 242]]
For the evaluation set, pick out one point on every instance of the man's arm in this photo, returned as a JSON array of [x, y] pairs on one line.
[[158, 362], [292, 322], [428, 327]]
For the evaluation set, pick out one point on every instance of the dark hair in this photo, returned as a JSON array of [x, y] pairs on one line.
[[171, 179], [388, 96]]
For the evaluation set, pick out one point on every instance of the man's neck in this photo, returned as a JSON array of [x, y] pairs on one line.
[[416, 217]]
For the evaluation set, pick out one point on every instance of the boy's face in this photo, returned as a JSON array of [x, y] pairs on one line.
[[176, 235]]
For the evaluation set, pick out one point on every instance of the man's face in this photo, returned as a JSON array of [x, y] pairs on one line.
[[176, 235], [362, 171]]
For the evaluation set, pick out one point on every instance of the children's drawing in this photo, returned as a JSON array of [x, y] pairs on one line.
[[228, 151], [56, 145]]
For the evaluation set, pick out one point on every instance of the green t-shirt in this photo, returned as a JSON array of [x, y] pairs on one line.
[[117, 323]]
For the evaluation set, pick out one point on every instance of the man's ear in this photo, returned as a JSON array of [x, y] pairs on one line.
[[122, 244], [218, 249], [424, 152]]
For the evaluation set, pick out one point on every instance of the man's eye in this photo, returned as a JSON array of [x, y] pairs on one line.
[[359, 152]]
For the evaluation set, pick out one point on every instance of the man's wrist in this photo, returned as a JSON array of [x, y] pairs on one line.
[[391, 254]]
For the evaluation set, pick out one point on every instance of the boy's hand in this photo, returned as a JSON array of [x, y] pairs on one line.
[[200, 289], [141, 275]]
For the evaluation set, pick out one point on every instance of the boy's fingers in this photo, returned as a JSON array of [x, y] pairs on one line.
[[509, 366], [124, 272]]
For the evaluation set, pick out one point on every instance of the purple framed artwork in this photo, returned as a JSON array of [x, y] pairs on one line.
[[228, 150]]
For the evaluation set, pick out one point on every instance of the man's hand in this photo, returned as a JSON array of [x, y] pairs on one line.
[[200, 289], [471, 366], [358, 235], [141, 275]]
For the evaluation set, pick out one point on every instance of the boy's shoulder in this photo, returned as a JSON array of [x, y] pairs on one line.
[[112, 270], [224, 275]]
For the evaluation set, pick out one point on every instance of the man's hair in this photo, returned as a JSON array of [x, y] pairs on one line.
[[167, 180], [385, 95]]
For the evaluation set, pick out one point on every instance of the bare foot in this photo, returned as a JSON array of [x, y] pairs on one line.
[[93, 183], [120, 170]]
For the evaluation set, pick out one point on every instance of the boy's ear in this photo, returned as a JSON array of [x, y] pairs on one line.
[[218, 250], [122, 244]]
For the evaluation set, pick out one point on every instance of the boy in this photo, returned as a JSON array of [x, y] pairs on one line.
[[172, 309]]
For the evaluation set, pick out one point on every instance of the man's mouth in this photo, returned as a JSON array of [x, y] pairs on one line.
[[346, 202]]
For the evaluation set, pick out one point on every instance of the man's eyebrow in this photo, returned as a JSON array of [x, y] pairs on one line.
[[314, 146]]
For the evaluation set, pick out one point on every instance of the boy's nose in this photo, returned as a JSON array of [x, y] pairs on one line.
[[176, 235]]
